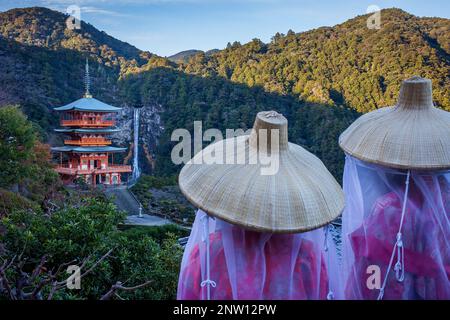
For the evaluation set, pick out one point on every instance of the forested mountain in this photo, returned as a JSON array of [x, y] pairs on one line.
[[316, 78], [43, 27], [41, 61], [346, 64], [184, 56]]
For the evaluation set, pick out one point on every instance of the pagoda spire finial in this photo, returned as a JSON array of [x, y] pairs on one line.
[[87, 80]]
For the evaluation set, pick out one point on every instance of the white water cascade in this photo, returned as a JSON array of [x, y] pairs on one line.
[[136, 171]]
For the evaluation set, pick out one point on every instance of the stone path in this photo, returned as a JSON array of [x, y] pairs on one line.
[[125, 201], [146, 220]]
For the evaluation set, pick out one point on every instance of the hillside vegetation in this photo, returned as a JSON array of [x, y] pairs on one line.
[[318, 78], [346, 64]]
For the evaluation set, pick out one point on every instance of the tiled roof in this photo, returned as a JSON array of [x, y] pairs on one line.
[[88, 104], [76, 149], [87, 130]]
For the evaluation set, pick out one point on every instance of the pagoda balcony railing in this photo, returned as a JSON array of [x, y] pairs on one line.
[[87, 123], [65, 169], [114, 169], [88, 142]]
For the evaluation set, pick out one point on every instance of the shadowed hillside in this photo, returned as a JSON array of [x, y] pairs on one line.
[[222, 104]]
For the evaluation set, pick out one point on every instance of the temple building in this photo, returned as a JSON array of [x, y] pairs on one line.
[[87, 152]]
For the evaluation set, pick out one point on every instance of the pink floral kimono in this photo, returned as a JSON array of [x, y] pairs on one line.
[[245, 264], [420, 262]]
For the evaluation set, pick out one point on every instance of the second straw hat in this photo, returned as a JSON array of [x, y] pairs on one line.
[[411, 135], [301, 195]]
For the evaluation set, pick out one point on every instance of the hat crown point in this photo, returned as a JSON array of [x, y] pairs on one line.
[[415, 93], [267, 122], [272, 114]]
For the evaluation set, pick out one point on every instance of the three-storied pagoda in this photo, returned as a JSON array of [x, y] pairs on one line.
[[88, 153]]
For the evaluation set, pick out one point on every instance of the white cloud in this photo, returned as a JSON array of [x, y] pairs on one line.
[[96, 10]]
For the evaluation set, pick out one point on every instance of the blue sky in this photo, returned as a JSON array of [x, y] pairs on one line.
[[166, 27]]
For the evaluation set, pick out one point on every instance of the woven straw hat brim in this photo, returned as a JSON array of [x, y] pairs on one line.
[[403, 139], [301, 196]]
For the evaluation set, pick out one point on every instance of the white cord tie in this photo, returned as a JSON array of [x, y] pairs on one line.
[[399, 267], [208, 282], [330, 295], [381, 294]]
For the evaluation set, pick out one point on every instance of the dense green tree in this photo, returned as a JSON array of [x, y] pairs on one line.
[[38, 247], [17, 139], [24, 161]]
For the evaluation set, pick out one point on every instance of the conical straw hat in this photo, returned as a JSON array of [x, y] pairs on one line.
[[411, 135], [301, 195]]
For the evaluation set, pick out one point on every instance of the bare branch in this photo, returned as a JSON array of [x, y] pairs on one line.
[[119, 286], [97, 263], [61, 266], [8, 265], [52, 291], [38, 270], [4, 280], [26, 286], [61, 284]]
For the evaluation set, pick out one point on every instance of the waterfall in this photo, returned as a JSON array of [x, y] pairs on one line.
[[136, 171]]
